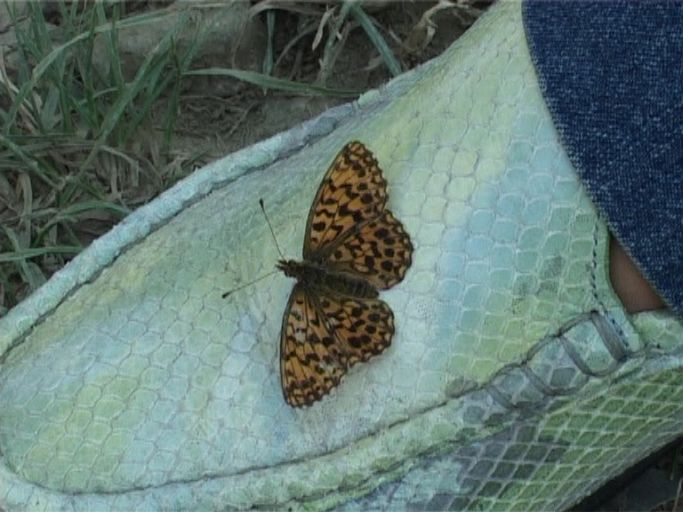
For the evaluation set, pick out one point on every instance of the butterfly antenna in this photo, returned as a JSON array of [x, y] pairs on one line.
[[270, 226], [272, 232], [230, 292]]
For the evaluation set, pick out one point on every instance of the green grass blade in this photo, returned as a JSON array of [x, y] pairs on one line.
[[271, 82], [375, 37], [268, 60], [133, 21], [28, 160], [24, 254], [140, 81]]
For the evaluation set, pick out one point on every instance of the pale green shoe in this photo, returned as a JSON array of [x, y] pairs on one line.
[[515, 379]]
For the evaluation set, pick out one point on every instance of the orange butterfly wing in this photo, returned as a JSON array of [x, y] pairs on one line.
[[379, 251], [323, 335], [349, 230], [352, 192]]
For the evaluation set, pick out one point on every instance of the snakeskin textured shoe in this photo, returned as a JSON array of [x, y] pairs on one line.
[[496, 368]]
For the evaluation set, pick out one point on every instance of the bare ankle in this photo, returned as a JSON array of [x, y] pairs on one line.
[[630, 286]]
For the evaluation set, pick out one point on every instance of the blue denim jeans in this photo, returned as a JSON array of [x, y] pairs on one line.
[[612, 76]]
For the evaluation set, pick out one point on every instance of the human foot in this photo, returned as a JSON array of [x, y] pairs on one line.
[[629, 284]]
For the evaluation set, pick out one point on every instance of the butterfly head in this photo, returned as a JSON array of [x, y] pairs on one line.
[[291, 268]]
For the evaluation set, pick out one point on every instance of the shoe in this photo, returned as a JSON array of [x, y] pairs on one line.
[[514, 379]]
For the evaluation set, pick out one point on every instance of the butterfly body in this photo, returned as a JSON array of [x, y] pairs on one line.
[[313, 276], [353, 247]]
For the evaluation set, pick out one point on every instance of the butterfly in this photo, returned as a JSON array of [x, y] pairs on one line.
[[353, 247]]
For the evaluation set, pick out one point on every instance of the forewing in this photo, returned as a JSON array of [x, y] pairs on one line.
[[311, 362], [352, 192], [380, 251]]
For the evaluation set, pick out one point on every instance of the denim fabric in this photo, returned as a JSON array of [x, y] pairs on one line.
[[612, 76]]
